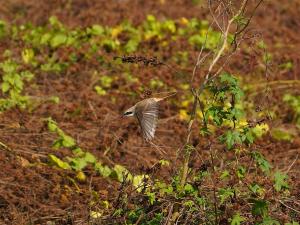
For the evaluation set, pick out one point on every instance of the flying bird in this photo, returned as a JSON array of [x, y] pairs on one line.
[[146, 112]]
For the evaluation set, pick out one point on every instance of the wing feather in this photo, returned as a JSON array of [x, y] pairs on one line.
[[147, 115]]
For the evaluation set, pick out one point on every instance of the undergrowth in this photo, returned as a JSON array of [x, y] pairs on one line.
[[234, 184]]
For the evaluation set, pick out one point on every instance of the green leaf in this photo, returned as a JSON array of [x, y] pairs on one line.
[[225, 174], [18, 84], [9, 66], [58, 162], [106, 81], [97, 30], [100, 91], [78, 152], [57, 143], [52, 125], [249, 138], [58, 40], [236, 113], [3, 28], [151, 197], [292, 223], [169, 25], [131, 45], [269, 221], [281, 135], [230, 138], [104, 171], [237, 92], [260, 207], [121, 172], [90, 158], [78, 163], [157, 219], [45, 38], [5, 87], [27, 75], [237, 219], [55, 99], [280, 180], [217, 113], [256, 189], [55, 22], [68, 141], [225, 194], [229, 79], [188, 188], [261, 162], [164, 162], [241, 171]]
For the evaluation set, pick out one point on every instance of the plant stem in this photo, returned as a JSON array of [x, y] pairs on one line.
[[187, 152], [208, 77]]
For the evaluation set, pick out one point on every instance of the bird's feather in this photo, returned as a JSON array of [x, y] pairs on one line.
[[147, 115]]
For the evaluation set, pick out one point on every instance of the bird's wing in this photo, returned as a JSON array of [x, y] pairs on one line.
[[147, 115]]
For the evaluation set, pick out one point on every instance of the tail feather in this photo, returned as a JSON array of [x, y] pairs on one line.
[[168, 96]]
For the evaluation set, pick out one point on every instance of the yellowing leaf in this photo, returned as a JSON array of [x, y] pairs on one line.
[[58, 162], [242, 123], [260, 129], [27, 55], [116, 31], [80, 176], [95, 214], [138, 181], [183, 115], [185, 103], [100, 91], [282, 134], [121, 171], [184, 21]]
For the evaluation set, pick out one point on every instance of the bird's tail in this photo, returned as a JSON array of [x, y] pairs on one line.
[[169, 94]]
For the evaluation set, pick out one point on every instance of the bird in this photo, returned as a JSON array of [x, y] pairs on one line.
[[146, 112]]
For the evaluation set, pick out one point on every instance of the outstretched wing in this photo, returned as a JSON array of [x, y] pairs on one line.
[[147, 115]]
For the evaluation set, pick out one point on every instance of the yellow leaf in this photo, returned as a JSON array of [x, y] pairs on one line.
[[95, 214], [260, 129], [185, 103], [200, 114], [116, 31], [184, 21], [80, 176], [27, 55], [183, 115]]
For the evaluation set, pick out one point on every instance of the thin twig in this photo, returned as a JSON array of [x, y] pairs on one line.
[[295, 210], [290, 167]]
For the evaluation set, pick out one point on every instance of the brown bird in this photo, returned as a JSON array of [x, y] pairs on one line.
[[146, 112]]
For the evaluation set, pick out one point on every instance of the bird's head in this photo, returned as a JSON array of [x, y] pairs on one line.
[[129, 112]]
